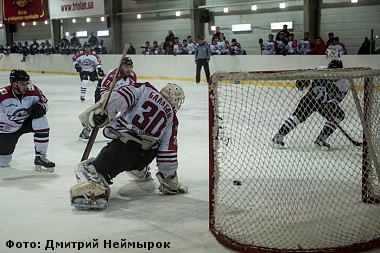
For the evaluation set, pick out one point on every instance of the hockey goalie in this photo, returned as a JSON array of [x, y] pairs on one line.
[[145, 128]]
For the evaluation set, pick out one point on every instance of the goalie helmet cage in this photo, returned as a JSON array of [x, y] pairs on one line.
[[298, 198]]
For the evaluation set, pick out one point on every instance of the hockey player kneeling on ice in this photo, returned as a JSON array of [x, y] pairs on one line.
[[323, 97], [145, 128], [22, 110]]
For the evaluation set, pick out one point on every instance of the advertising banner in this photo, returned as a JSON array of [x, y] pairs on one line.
[[60, 9], [17, 11]]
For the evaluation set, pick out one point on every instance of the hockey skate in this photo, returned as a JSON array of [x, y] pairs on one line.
[[42, 164], [142, 175], [82, 99], [92, 191], [321, 143], [277, 141], [85, 134]]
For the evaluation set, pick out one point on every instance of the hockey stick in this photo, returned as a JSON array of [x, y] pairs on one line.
[[95, 130]]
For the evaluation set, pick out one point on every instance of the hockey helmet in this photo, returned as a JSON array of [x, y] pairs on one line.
[[335, 64], [174, 94], [18, 75], [127, 60], [87, 44]]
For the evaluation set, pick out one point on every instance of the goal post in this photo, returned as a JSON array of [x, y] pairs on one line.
[[297, 198]]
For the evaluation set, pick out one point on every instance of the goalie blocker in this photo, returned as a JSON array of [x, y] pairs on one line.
[[131, 150]]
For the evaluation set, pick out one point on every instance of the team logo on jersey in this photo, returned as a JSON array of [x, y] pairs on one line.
[[19, 116], [3, 91], [87, 62]]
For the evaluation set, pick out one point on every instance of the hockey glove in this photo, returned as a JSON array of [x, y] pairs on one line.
[[37, 111], [100, 72], [78, 67], [98, 119]]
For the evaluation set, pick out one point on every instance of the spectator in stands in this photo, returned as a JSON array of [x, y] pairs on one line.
[[281, 41], [217, 34], [330, 39], [284, 32], [191, 45], [74, 41], [155, 49], [304, 45], [64, 41], [222, 44], [214, 47], [236, 48], [146, 48], [270, 46], [131, 49], [338, 46], [177, 46], [320, 47], [93, 40], [100, 48], [291, 46], [185, 47], [365, 47], [169, 38]]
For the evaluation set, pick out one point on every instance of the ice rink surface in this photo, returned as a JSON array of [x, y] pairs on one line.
[[35, 207]]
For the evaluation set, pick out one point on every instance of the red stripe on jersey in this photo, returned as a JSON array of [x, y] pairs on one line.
[[46, 130]]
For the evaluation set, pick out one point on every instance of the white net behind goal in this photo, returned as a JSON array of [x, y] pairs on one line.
[[297, 197]]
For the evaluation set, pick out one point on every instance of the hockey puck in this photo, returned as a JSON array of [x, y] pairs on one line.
[[237, 182]]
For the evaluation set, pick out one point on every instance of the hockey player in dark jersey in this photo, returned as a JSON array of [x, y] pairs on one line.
[[22, 110], [323, 97]]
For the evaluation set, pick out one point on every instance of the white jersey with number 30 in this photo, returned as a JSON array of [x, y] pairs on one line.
[[145, 111]]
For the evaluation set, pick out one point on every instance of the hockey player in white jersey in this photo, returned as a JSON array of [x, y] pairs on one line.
[[126, 76], [22, 110], [323, 97], [89, 66], [145, 128]]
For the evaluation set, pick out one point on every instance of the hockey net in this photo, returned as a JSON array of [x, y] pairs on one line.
[[297, 198]]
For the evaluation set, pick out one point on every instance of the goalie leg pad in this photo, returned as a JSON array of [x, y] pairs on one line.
[[171, 185], [92, 190]]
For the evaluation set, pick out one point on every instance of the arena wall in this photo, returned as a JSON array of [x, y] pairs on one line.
[[182, 67]]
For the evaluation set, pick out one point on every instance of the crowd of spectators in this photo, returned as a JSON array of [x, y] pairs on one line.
[[286, 44], [172, 45], [64, 46]]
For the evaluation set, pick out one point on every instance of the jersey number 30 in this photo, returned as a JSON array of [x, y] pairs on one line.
[[150, 119]]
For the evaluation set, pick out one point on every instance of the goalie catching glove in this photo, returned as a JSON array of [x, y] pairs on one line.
[[98, 118], [37, 111], [170, 185]]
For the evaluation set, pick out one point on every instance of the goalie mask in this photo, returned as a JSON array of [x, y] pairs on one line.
[[174, 94]]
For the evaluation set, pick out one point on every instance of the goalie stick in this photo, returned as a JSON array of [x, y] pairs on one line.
[[95, 130]]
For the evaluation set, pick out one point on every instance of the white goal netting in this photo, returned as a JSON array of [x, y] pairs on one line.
[[297, 197]]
